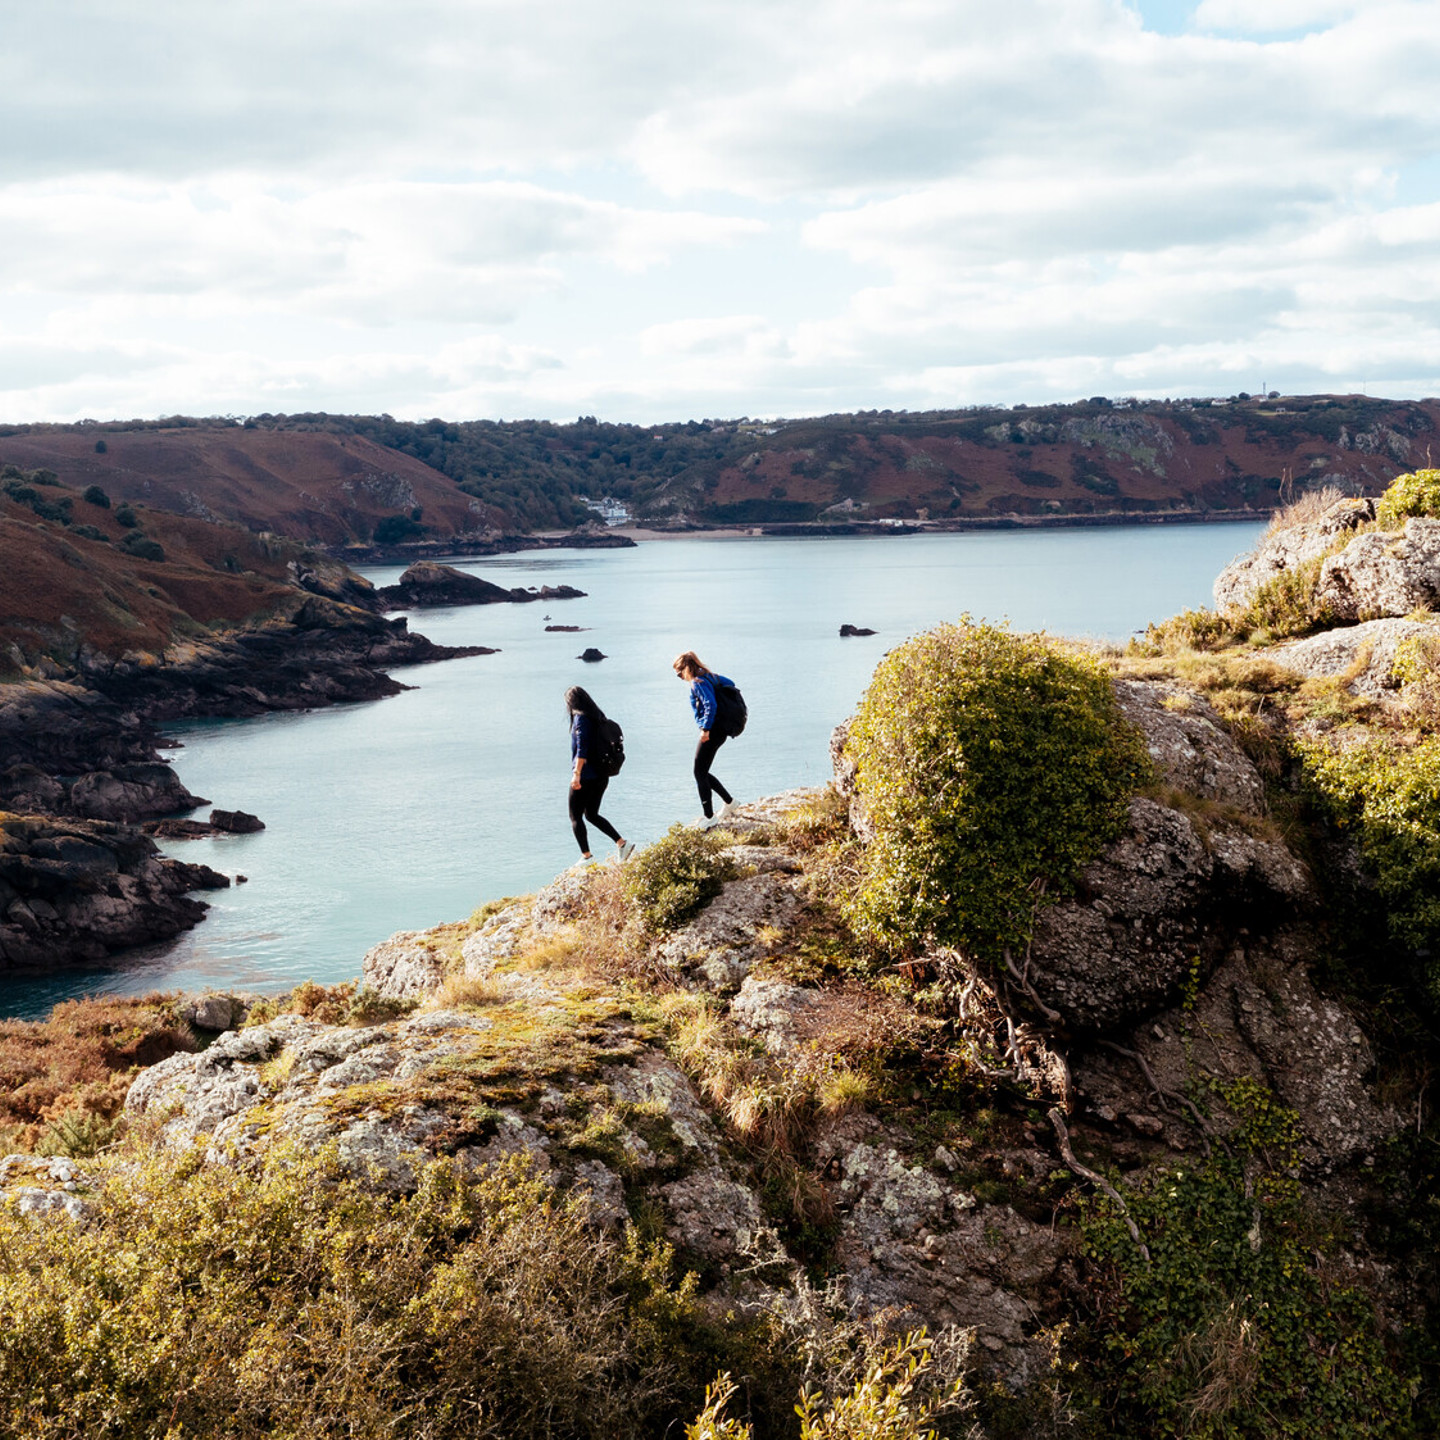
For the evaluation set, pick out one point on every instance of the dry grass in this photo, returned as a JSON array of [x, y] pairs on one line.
[[466, 992], [1309, 507], [81, 1060]]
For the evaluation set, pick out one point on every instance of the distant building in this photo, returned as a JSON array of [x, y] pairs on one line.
[[609, 509]]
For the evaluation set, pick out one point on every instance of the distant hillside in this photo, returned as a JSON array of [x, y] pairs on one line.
[[340, 480], [322, 487], [123, 578]]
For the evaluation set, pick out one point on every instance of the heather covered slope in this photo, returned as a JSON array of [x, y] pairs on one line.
[[347, 479], [118, 579], [319, 487]]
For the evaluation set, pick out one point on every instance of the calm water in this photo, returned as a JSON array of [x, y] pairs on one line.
[[413, 810]]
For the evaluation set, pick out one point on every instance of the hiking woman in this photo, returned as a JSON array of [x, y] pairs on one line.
[[588, 781], [703, 681]]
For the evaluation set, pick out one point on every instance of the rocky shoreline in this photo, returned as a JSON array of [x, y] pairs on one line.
[[82, 750]]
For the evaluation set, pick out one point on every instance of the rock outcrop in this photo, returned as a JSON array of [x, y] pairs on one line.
[[1288, 549], [427, 583], [72, 892], [1381, 573], [1364, 654]]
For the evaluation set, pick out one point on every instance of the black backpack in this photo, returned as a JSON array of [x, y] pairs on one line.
[[730, 711], [609, 753]]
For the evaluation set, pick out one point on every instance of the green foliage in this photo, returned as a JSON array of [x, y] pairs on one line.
[[1189, 630], [670, 880], [1388, 796], [993, 767], [95, 495], [893, 1399], [126, 516], [395, 528], [79, 1133], [90, 532], [1417, 493], [1287, 603], [1238, 1328], [300, 1303], [142, 547]]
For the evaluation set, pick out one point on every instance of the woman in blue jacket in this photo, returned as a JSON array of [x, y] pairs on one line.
[[587, 781], [702, 683]]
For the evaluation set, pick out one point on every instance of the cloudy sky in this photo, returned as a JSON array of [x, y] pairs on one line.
[[651, 210]]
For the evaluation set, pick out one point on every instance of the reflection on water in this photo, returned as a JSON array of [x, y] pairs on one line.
[[414, 810]]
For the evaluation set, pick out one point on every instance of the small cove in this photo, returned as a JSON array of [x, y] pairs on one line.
[[410, 811]]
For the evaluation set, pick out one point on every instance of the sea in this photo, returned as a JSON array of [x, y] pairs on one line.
[[402, 813]]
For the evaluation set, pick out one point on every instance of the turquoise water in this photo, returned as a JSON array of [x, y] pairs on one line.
[[413, 810]]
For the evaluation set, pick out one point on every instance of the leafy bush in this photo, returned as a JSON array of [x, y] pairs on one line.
[[300, 1303], [1417, 493], [1238, 1327], [680, 873], [1388, 795], [94, 494], [90, 532], [126, 516], [395, 528], [895, 1399], [993, 767], [142, 547]]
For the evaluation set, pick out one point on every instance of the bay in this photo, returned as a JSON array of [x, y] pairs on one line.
[[406, 812]]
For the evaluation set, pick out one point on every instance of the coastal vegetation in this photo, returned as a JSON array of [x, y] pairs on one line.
[[696, 1144]]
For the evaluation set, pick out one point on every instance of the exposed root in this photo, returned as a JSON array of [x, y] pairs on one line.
[[1097, 1180], [1207, 1133]]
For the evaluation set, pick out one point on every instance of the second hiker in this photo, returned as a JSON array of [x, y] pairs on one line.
[[598, 750]]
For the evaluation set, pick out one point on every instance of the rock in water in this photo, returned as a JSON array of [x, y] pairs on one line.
[[236, 822], [846, 631], [591, 655]]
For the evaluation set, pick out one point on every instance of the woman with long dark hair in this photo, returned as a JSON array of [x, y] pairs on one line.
[[702, 681], [588, 780]]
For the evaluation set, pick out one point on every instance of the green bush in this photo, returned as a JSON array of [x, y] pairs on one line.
[[670, 880], [141, 546], [1239, 1327], [95, 495], [993, 766], [298, 1303], [126, 516], [1388, 796], [395, 528], [1417, 493], [1288, 604]]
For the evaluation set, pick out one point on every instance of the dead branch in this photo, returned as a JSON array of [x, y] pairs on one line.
[[1097, 1180]]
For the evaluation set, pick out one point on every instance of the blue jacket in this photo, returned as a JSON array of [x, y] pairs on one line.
[[582, 735], [702, 698]]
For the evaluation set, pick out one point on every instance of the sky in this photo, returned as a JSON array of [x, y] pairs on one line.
[[652, 211]]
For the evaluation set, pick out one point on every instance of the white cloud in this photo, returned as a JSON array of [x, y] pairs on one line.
[[643, 209]]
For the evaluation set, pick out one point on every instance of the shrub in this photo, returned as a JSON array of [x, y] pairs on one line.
[[1189, 630], [90, 532], [94, 494], [896, 1398], [1388, 795], [680, 873], [395, 528], [297, 1302], [1287, 603], [1417, 493], [142, 547], [126, 516], [993, 767], [100, 448], [1239, 1325]]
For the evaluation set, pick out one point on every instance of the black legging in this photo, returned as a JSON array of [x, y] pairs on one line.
[[705, 782], [585, 805]]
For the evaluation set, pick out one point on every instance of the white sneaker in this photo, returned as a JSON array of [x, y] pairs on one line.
[[627, 849], [728, 809]]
